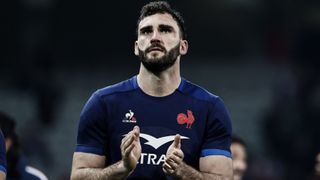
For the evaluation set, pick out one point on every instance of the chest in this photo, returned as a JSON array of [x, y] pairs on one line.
[[159, 121]]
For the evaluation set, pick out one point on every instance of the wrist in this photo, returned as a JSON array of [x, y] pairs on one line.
[[180, 171], [123, 168]]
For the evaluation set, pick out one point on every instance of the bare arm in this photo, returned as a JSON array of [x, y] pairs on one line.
[[211, 167], [2, 175], [92, 166]]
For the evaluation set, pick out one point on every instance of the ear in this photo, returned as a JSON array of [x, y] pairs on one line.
[[184, 47], [136, 48], [9, 143]]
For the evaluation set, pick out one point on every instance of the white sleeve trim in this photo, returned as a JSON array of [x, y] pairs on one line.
[[36, 172]]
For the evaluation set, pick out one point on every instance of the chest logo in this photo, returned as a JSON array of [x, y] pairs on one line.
[[158, 142], [186, 119], [129, 117]]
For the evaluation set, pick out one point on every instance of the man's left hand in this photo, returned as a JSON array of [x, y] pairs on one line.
[[174, 158]]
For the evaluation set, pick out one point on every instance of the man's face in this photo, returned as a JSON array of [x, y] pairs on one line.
[[159, 43], [239, 157]]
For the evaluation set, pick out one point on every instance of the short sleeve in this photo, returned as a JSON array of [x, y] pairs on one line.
[[92, 128], [3, 162], [218, 131]]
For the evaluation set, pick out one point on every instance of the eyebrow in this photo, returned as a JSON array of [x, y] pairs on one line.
[[145, 28], [161, 26], [164, 26]]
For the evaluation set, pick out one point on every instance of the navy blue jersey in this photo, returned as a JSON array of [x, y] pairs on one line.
[[198, 116], [3, 162]]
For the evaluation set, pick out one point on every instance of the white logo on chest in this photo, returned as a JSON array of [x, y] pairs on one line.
[[158, 142], [155, 159]]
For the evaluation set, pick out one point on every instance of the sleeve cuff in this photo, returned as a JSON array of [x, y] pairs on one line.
[[90, 149], [209, 152]]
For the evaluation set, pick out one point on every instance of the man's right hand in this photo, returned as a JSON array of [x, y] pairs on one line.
[[92, 166], [131, 149]]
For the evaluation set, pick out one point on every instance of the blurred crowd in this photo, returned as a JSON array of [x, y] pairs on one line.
[[286, 34]]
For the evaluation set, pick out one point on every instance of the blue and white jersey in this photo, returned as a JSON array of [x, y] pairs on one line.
[[3, 162], [198, 116]]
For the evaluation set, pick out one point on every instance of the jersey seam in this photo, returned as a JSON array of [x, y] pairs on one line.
[[115, 92], [199, 99]]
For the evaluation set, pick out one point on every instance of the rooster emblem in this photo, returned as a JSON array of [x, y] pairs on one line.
[[129, 118], [186, 119], [129, 115]]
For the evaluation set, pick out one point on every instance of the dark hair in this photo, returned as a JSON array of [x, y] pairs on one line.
[[237, 139], [8, 125], [162, 7]]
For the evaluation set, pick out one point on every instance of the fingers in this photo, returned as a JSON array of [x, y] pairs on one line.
[[173, 162], [176, 157], [175, 147], [167, 168], [128, 149], [178, 154], [136, 132], [131, 148], [136, 129], [170, 166], [127, 137], [127, 143], [177, 141]]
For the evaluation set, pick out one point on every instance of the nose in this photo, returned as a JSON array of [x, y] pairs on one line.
[[155, 37]]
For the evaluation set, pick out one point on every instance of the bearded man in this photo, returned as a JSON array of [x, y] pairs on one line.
[[125, 129]]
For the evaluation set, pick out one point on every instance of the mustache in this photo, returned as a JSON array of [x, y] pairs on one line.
[[159, 46]]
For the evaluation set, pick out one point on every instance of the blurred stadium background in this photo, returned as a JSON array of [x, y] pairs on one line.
[[261, 56]]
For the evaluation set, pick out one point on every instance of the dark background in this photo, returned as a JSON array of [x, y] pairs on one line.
[[260, 56]]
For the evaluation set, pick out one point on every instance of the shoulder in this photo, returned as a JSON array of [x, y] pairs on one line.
[[195, 91], [123, 86], [95, 106]]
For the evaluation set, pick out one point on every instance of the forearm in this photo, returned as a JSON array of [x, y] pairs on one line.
[[186, 172], [2, 175], [116, 171]]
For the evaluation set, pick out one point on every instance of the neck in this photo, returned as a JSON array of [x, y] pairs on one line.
[[162, 84]]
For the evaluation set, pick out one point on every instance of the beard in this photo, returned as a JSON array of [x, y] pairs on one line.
[[157, 65]]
